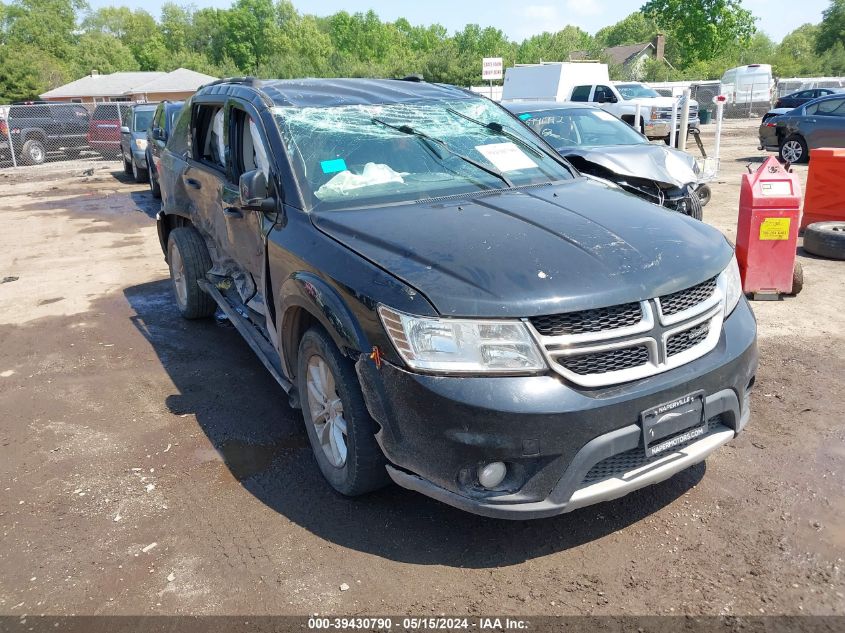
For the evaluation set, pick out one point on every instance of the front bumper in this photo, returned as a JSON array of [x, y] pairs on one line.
[[436, 430]]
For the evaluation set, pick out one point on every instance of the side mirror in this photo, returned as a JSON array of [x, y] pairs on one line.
[[158, 134], [612, 99], [253, 188], [124, 129], [600, 98]]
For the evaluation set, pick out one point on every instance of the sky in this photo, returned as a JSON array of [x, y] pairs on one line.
[[518, 19]]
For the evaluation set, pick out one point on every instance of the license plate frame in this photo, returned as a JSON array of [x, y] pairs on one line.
[[682, 418]]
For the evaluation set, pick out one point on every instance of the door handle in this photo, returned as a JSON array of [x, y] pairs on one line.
[[232, 212], [192, 182]]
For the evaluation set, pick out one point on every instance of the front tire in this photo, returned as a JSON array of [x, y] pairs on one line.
[[189, 261], [794, 150], [339, 427], [155, 188], [140, 175]]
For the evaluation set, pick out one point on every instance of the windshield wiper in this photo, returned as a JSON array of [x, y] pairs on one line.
[[407, 129], [501, 130]]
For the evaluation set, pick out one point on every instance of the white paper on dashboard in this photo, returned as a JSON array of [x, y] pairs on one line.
[[505, 156]]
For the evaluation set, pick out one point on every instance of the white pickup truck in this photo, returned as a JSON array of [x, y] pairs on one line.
[[590, 82], [622, 98]]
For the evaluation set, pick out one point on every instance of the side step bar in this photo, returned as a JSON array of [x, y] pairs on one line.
[[258, 343]]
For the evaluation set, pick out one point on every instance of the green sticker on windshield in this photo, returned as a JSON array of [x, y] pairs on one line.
[[525, 116], [333, 166]]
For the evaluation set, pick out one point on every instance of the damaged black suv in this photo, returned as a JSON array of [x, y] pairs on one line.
[[452, 305]]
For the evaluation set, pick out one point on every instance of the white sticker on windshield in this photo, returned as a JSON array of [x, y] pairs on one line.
[[505, 156]]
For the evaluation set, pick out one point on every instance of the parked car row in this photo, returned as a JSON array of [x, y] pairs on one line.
[[794, 132], [452, 304], [37, 131]]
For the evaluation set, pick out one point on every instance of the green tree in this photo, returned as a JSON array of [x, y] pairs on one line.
[[27, 71], [102, 52], [553, 46], [702, 29], [46, 25], [832, 29], [632, 29]]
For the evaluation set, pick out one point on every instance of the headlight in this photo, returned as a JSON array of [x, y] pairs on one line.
[[732, 285], [141, 143], [462, 345]]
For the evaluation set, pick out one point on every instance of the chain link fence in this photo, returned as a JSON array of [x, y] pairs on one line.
[[37, 133]]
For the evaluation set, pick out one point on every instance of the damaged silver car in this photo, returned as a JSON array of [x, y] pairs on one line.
[[603, 146]]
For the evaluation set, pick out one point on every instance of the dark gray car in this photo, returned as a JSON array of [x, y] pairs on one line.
[[133, 139], [820, 123]]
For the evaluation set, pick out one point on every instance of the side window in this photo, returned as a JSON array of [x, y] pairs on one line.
[[209, 142], [581, 93], [834, 107], [603, 94], [248, 150], [158, 118]]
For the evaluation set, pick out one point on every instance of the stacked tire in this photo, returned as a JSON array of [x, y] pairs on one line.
[[825, 239]]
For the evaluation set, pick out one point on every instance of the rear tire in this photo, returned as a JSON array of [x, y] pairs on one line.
[[33, 152], [127, 166], [794, 150], [189, 261], [339, 427], [825, 239]]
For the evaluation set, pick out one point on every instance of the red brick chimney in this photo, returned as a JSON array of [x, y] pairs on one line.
[[659, 42]]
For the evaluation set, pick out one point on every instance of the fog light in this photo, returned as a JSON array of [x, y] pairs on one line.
[[492, 474]]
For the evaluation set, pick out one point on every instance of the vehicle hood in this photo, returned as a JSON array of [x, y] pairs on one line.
[[665, 165], [572, 246]]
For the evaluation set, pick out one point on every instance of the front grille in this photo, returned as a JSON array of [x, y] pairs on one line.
[[606, 361], [621, 463], [683, 299], [682, 341], [589, 321]]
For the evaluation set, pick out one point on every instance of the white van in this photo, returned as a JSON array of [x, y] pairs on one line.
[[748, 85]]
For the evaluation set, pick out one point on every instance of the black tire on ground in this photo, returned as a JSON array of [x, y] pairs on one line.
[[189, 261], [155, 188], [140, 175], [793, 149], [825, 239], [364, 467], [127, 166], [797, 278], [33, 152], [705, 194]]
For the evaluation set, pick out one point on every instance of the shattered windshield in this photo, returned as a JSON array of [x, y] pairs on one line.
[[358, 155], [636, 91], [581, 127]]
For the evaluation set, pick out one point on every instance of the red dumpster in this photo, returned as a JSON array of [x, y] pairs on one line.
[[767, 230]]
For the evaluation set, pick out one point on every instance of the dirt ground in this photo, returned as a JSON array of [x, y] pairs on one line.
[[150, 465]]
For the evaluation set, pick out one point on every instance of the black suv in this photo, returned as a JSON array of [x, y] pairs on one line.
[[163, 120], [39, 129], [452, 305]]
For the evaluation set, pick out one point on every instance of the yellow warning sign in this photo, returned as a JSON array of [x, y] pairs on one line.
[[775, 229]]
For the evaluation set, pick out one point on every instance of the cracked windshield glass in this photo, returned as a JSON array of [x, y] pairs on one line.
[[369, 154]]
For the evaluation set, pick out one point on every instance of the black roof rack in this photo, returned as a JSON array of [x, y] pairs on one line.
[[246, 81], [413, 77]]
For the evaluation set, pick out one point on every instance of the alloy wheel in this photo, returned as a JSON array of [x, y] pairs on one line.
[[326, 410], [792, 151]]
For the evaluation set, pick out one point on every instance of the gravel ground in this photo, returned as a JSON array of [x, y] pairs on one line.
[[150, 465]]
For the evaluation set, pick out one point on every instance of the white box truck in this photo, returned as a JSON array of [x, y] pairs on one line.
[[550, 81]]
